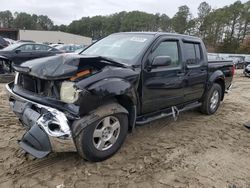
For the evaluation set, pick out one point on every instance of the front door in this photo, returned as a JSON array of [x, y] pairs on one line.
[[24, 53], [162, 86]]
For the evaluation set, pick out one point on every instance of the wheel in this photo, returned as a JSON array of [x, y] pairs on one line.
[[212, 100], [104, 137]]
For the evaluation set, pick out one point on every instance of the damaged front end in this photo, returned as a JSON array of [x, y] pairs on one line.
[[48, 128], [50, 94]]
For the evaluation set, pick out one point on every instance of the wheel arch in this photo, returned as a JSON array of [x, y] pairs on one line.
[[110, 107], [218, 77], [121, 91]]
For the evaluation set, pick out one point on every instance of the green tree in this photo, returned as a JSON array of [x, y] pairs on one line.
[[234, 12], [164, 23], [44, 22], [203, 22], [24, 21], [139, 21], [180, 21], [6, 19]]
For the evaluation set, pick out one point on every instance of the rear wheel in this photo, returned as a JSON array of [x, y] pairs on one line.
[[212, 100]]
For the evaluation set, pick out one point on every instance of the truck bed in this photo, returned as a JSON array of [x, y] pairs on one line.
[[227, 67]]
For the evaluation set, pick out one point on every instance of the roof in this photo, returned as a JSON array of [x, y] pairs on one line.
[[187, 37]]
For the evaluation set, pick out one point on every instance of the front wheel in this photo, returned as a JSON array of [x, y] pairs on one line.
[[212, 100], [102, 138]]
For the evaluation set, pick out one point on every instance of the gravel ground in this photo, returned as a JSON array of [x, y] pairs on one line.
[[194, 151]]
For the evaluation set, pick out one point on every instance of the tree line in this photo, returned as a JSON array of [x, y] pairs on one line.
[[225, 29]]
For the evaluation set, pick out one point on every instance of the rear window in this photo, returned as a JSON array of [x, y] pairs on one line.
[[192, 54]]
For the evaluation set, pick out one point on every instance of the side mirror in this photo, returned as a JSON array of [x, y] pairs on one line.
[[160, 61], [17, 51]]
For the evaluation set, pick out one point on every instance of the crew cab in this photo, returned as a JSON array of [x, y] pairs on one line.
[[88, 102]]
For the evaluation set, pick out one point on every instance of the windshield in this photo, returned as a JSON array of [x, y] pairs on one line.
[[121, 47]]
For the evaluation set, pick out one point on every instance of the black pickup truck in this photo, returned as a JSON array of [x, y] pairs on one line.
[[88, 102]]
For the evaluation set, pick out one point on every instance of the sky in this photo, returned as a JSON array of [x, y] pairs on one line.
[[65, 11]]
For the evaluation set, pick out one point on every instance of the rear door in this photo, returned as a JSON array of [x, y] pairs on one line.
[[162, 87], [42, 51], [196, 70]]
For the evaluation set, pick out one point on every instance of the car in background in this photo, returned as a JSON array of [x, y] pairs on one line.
[[214, 57], [247, 61], [22, 41], [79, 50], [247, 71], [68, 48], [247, 66], [19, 52], [238, 61], [10, 41], [54, 45], [3, 43]]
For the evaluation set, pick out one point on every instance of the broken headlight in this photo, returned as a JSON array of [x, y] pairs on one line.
[[69, 93]]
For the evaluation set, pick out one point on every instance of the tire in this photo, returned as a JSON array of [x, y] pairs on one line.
[[210, 105], [98, 141]]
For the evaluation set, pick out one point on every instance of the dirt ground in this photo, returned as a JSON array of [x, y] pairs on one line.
[[195, 151]]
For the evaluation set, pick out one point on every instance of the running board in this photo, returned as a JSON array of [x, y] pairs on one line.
[[175, 113]]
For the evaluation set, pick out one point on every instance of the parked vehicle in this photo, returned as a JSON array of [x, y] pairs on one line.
[[212, 57], [20, 52], [54, 45], [3, 43], [238, 61], [68, 48], [10, 41], [247, 71], [88, 102], [247, 61], [79, 50], [28, 41]]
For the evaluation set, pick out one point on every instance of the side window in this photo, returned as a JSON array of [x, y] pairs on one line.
[[198, 52], [168, 48], [26, 47], [39, 47], [192, 54]]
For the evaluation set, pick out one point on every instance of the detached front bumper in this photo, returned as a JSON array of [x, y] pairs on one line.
[[48, 128]]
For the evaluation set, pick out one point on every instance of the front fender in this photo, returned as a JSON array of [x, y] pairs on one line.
[[113, 87], [105, 90]]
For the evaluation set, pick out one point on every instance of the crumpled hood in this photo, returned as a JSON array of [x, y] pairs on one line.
[[55, 67]]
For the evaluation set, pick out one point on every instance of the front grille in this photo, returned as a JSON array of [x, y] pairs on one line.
[[39, 86]]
